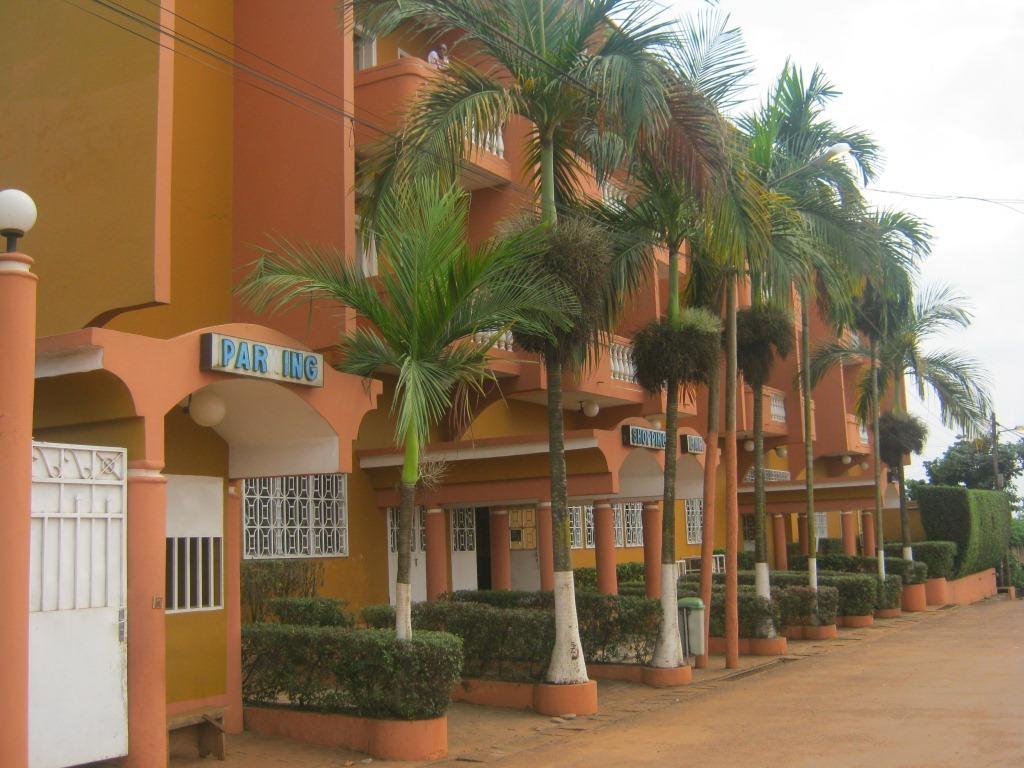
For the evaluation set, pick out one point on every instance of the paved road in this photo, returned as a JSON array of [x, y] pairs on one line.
[[945, 688]]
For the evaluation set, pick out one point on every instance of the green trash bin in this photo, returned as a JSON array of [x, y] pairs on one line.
[[691, 625]]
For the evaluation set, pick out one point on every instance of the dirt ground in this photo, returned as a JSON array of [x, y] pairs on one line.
[[942, 688]]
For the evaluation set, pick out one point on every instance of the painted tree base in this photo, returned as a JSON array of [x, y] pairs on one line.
[[655, 677], [574, 698], [913, 598], [855, 622], [384, 739]]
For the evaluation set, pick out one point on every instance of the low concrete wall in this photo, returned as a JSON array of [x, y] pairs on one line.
[[973, 588], [579, 699], [384, 739], [752, 646]]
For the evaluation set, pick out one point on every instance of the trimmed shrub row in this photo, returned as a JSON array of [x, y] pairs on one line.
[[911, 572], [797, 604], [586, 577], [756, 614], [978, 522], [939, 556], [857, 594], [310, 611], [364, 672], [889, 592]]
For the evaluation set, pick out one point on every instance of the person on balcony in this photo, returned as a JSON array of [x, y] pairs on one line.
[[439, 58]]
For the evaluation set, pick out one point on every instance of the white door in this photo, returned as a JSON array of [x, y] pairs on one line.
[[78, 701], [417, 551], [463, 524]]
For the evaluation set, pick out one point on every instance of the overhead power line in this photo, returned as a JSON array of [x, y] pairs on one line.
[[1007, 203]]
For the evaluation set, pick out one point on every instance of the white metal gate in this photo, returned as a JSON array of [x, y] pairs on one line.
[[78, 703], [417, 554]]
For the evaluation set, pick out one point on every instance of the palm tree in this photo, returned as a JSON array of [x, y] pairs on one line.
[[818, 244], [957, 381], [590, 80], [436, 298], [898, 241]]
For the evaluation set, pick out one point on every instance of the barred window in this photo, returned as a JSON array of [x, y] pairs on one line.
[[619, 523], [418, 540], [633, 519], [195, 573], [575, 527], [821, 525], [694, 521], [588, 526], [463, 529], [295, 516], [749, 527]]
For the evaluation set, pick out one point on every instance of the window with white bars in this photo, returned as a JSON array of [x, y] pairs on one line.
[[463, 529], [694, 520], [195, 573], [777, 407], [588, 526], [749, 525], [364, 49], [633, 523], [619, 524], [575, 527], [295, 516], [821, 525], [418, 540]]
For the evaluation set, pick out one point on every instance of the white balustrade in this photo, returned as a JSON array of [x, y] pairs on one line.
[[622, 363], [503, 344], [493, 143], [777, 407]]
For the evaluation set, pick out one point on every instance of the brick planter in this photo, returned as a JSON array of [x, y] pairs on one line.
[[384, 739], [655, 677], [494, 693], [855, 622], [576, 698], [936, 591], [913, 598], [888, 613], [812, 632]]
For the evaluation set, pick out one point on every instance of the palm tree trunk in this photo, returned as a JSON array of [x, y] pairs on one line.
[[567, 663], [732, 511], [900, 407], [805, 378], [707, 541], [669, 650], [879, 526], [407, 506]]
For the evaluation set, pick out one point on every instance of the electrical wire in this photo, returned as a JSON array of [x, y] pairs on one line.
[[1007, 203]]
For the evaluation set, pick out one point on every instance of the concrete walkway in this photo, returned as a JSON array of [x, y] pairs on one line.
[[941, 688]]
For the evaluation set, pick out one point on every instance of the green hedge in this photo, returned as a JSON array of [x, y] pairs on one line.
[[743, 558], [889, 593], [586, 578], [310, 611], [939, 556], [857, 593], [912, 572], [978, 522], [755, 612], [797, 604], [363, 672], [510, 635]]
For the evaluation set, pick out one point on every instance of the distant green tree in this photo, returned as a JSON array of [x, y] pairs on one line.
[[969, 462]]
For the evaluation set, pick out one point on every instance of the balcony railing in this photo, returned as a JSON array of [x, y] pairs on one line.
[[862, 431], [622, 363], [503, 344], [493, 143], [777, 407]]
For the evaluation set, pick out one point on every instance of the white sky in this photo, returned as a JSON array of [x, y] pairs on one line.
[[940, 84]]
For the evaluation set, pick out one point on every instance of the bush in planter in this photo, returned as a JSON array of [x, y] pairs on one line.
[[912, 572], [977, 521], [744, 559], [888, 592], [939, 556], [618, 628], [310, 611], [797, 604], [262, 580], [585, 579], [857, 592], [755, 612], [504, 598], [633, 571], [363, 672], [633, 589]]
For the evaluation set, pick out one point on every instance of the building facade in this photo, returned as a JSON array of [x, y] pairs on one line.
[[164, 143]]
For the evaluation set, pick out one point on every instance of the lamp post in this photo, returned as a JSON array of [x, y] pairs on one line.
[[17, 383]]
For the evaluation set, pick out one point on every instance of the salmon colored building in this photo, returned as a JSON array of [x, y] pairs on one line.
[[178, 435]]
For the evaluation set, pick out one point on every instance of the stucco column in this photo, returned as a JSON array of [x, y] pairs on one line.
[[801, 526], [849, 528], [437, 554], [17, 384], [604, 543], [867, 523], [147, 640], [780, 536], [652, 548], [501, 554], [545, 546], [233, 606]]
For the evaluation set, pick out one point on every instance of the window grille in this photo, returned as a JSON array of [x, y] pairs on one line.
[[633, 517], [418, 539], [195, 573], [777, 407], [770, 475], [463, 529], [694, 521], [749, 527], [619, 524], [588, 526], [821, 525], [575, 527], [295, 516]]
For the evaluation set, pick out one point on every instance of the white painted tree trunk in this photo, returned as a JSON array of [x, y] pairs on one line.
[[881, 565], [567, 662], [812, 572], [908, 553], [403, 612], [668, 653], [763, 588]]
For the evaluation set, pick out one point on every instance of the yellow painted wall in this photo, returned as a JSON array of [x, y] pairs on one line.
[[79, 135], [201, 187], [196, 641]]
